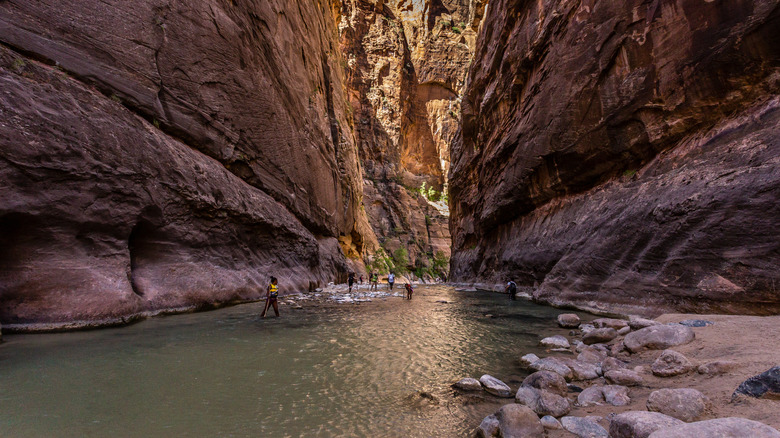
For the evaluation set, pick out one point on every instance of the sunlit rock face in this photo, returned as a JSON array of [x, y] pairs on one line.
[[406, 66], [624, 154], [160, 155]]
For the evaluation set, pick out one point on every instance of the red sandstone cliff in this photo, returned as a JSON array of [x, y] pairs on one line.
[[624, 153]]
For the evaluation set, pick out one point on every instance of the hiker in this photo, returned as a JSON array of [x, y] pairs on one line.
[[351, 281], [409, 291], [271, 297], [374, 281], [511, 287], [391, 280]]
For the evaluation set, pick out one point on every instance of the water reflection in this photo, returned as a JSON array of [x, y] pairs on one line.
[[381, 369]]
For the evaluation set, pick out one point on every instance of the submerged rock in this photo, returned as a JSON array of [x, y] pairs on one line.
[[658, 337], [766, 384], [671, 363], [639, 424], [686, 404], [495, 386], [731, 427]]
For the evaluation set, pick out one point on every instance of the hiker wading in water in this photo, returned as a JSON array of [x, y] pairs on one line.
[[271, 297], [511, 287]]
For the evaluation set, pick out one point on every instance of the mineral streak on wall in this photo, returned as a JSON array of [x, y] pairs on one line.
[[623, 154], [158, 155]]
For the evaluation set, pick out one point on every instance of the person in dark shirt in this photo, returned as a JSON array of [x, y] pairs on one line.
[[511, 287]]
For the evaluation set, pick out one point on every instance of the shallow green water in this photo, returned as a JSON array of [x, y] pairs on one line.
[[336, 370]]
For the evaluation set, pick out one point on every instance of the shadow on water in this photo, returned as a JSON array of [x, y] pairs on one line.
[[382, 368]]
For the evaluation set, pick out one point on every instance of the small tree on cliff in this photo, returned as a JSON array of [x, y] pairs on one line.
[[401, 261]]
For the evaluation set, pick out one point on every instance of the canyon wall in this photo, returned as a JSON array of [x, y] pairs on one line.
[[406, 63], [623, 155], [159, 155]]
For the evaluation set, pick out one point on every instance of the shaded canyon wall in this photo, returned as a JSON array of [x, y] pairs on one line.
[[159, 155], [623, 154]]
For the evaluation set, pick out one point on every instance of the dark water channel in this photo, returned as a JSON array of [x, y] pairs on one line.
[[326, 370]]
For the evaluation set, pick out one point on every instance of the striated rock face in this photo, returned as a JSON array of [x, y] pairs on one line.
[[618, 150], [165, 155], [406, 64]]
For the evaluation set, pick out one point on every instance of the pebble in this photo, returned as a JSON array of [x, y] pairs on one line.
[[468, 384], [556, 341], [568, 320]]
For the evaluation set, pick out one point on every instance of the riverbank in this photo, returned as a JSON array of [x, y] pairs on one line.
[[725, 352]]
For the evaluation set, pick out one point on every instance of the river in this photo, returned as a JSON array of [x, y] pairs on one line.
[[382, 368]]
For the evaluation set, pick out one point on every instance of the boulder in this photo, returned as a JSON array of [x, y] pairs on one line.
[[611, 363], [495, 386], [556, 341], [591, 354], [546, 381], [766, 384], [582, 370], [658, 337], [623, 377], [614, 395], [583, 427], [614, 323], [528, 359], [468, 384], [640, 323], [543, 402], [599, 335], [731, 427], [686, 404], [568, 320], [696, 323], [671, 363], [488, 428], [517, 421], [550, 422], [554, 365], [717, 367], [639, 424]]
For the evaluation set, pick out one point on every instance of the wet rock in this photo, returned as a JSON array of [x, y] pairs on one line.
[[686, 404], [488, 428], [696, 323], [495, 386], [468, 384], [599, 335], [614, 323], [586, 328], [623, 377], [639, 424], [528, 359], [583, 427], [582, 370], [624, 331], [764, 385], [573, 388], [717, 367], [556, 341], [568, 320], [543, 402], [546, 381], [614, 395], [658, 337], [551, 423], [611, 363], [554, 365], [731, 427], [671, 363], [640, 323]]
